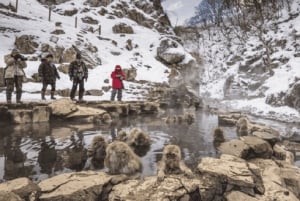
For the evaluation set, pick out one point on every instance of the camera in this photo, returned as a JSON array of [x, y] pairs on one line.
[[19, 56]]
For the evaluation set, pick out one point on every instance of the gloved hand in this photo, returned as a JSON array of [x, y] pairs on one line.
[[58, 77]]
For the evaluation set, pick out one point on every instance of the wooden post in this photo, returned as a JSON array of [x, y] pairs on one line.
[[76, 22], [17, 3], [99, 29], [49, 18]]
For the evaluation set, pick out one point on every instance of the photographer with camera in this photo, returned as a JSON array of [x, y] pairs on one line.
[[117, 83], [14, 75]]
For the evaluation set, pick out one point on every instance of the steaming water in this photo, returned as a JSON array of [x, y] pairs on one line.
[[40, 151]]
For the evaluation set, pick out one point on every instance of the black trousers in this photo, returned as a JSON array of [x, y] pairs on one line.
[[77, 82], [45, 84]]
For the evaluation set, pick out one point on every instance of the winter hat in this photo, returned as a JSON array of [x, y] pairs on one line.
[[78, 56], [118, 67]]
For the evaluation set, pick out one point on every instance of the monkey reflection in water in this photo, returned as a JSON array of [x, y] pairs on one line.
[[14, 159], [75, 155], [120, 159], [171, 163], [47, 157]]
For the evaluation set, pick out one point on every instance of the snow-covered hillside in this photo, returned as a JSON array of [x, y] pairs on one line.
[[32, 19], [234, 74]]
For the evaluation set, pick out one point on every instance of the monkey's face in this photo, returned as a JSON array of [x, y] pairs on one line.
[[172, 156]]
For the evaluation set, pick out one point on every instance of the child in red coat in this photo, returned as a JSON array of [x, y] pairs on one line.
[[117, 83]]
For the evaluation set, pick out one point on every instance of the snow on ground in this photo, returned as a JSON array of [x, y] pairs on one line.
[[215, 52], [142, 57]]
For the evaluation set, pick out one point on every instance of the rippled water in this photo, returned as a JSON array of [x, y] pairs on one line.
[[39, 151]]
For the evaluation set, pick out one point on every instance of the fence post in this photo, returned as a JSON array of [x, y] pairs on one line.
[[49, 17], [17, 3], [76, 22], [99, 29]]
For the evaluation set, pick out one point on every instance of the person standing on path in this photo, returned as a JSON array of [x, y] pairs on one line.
[[48, 73], [14, 75], [117, 83], [78, 72]]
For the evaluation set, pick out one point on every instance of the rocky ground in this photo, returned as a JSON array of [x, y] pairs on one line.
[[256, 166]]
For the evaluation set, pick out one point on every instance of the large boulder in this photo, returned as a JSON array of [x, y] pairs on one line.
[[122, 28], [280, 182], [26, 44], [293, 96], [22, 187], [259, 148], [63, 107], [81, 186], [97, 3], [235, 174], [9, 196], [176, 187], [235, 148], [170, 51]]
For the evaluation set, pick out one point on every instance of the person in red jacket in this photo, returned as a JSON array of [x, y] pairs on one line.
[[117, 83]]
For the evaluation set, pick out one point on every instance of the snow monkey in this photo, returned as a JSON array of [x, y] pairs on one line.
[[171, 163], [122, 136], [139, 141], [120, 159], [218, 137], [242, 126], [138, 138], [97, 153]]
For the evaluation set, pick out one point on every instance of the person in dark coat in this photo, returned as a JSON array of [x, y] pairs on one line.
[[48, 73], [14, 74], [78, 72], [117, 83]]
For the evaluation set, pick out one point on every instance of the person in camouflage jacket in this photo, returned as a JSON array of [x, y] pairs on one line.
[[14, 74], [48, 73], [78, 72]]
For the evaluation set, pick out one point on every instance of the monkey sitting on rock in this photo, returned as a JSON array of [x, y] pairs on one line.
[[96, 153], [171, 163], [120, 159]]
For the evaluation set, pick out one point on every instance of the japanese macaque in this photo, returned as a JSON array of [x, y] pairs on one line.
[[97, 153], [218, 137], [171, 163], [138, 138], [242, 126], [185, 118], [120, 159], [139, 141], [122, 136]]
